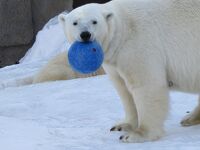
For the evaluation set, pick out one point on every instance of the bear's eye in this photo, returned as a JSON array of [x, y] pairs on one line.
[[94, 22], [75, 23]]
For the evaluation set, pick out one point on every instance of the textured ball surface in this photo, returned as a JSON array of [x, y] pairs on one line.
[[85, 57]]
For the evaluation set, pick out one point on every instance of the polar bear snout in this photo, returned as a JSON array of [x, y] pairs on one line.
[[85, 36]]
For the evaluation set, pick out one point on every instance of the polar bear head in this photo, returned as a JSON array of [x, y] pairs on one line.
[[87, 23]]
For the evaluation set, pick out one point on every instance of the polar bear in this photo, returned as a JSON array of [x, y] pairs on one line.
[[58, 68], [150, 47]]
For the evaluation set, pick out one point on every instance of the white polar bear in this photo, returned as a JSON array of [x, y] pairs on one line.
[[147, 44], [58, 68]]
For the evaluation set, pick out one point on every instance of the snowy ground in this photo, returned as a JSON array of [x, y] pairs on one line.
[[75, 114]]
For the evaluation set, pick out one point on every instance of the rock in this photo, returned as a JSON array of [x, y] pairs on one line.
[[20, 20], [16, 26]]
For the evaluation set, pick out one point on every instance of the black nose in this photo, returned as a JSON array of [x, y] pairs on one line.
[[85, 36]]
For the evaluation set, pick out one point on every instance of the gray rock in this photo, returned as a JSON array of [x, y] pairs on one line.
[[11, 55], [43, 10], [16, 26], [20, 20]]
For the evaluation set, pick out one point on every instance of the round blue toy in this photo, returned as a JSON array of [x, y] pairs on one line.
[[85, 57]]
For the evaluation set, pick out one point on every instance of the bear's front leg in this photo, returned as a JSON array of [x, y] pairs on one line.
[[152, 107], [131, 121]]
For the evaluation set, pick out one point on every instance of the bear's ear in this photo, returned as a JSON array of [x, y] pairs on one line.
[[108, 15], [62, 18]]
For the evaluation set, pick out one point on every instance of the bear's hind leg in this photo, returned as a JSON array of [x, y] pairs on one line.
[[193, 118]]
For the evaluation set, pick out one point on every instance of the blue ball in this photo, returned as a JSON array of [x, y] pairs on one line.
[[85, 57]]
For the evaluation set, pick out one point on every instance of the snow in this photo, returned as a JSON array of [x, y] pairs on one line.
[[75, 114]]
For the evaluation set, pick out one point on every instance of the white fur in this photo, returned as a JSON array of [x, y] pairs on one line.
[[147, 43], [58, 68]]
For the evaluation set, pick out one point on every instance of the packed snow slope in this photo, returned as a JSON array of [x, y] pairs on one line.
[[77, 115]]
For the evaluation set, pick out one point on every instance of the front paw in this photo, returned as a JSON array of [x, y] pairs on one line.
[[122, 127], [139, 136]]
